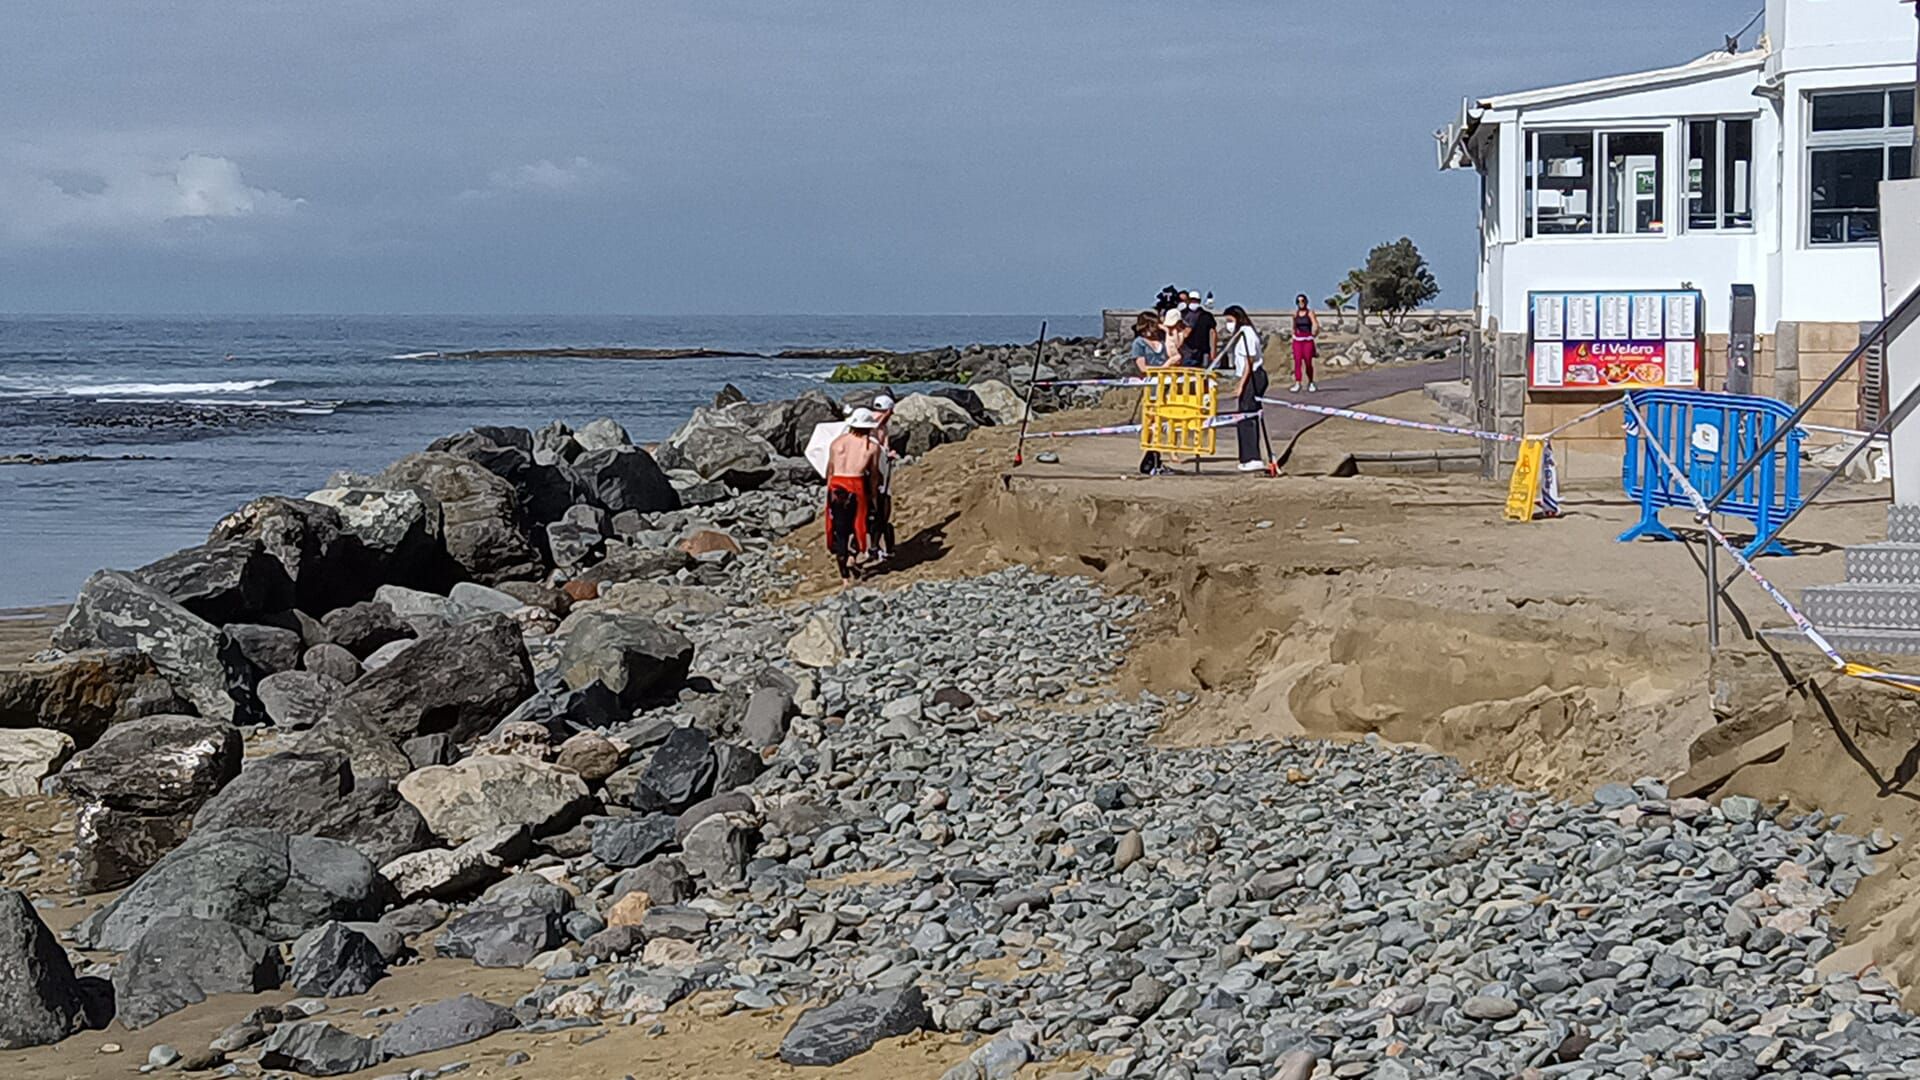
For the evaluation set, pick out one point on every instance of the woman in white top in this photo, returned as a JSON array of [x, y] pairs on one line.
[[1250, 375]]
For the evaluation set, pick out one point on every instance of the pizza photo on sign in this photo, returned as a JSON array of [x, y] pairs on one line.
[[1607, 365]]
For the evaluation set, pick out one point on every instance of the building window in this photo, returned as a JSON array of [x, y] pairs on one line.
[[1719, 175], [1585, 183], [1856, 139]]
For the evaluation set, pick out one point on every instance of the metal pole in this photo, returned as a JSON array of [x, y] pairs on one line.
[[1713, 598], [1026, 407]]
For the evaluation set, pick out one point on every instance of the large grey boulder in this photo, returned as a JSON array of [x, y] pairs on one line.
[[602, 434], [830, 1034], [631, 655], [339, 961], [373, 753], [444, 1024], [481, 524], [223, 581], [85, 692], [317, 1048], [1001, 402], [921, 422], [298, 699], [398, 528], [623, 478], [40, 1001], [155, 765], [318, 794], [488, 792], [443, 873], [787, 426], [628, 562], [269, 649], [621, 842], [461, 680], [138, 788], [504, 936], [28, 756], [319, 557], [120, 611], [363, 627], [179, 960], [678, 774], [719, 447], [260, 880]]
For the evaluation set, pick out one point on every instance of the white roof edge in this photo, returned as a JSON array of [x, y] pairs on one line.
[[1712, 64]]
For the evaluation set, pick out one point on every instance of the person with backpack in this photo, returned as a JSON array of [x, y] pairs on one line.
[[1250, 385]]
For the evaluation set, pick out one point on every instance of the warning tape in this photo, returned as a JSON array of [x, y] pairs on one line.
[[1134, 429], [1844, 431], [1800, 622], [1127, 380], [1393, 421]]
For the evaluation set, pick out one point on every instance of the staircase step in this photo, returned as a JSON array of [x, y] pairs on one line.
[[1903, 523], [1891, 563], [1454, 397], [1852, 642], [1880, 607]]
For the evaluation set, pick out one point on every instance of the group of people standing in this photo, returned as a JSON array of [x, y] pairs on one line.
[[860, 490], [1182, 330]]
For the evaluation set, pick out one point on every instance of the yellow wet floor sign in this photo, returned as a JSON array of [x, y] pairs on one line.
[[1524, 490]]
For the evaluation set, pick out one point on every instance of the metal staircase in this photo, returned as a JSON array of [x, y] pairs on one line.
[[1877, 608]]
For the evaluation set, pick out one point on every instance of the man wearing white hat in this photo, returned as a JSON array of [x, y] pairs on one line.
[[880, 528], [851, 471]]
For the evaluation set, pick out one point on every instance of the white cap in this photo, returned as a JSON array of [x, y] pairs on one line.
[[883, 403], [1171, 318], [863, 418]]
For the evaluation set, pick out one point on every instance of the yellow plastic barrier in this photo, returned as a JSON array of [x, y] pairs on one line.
[[1175, 414]]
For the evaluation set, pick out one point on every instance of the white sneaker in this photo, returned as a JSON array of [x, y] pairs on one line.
[[1252, 466], [1312, 389], [1296, 388]]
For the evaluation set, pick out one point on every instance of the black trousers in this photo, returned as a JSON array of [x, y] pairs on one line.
[[1248, 430]]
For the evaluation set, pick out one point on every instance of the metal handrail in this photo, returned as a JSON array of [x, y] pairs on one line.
[[1878, 333], [1882, 331]]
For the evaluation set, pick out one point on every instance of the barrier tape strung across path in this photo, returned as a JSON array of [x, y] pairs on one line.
[[1845, 431], [1840, 663], [1125, 380], [1393, 421], [1133, 429]]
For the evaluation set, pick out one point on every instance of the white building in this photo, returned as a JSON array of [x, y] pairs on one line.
[[1759, 168]]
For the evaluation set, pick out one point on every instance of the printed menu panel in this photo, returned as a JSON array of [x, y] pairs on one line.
[[1615, 341]]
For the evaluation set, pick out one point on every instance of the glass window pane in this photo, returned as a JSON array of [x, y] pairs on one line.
[[1903, 108], [1738, 173], [1562, 187], [1843, 189], [1900, 162], [1635, 184], [1851, 111], [1703, 175]]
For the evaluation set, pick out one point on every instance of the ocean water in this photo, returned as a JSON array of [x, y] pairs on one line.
[[220, 410]]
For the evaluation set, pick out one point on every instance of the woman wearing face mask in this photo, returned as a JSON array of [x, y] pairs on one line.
[[1173, 330], [1250, 374], [1306, 328]]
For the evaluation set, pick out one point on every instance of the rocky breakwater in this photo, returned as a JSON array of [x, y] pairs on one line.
[[633, 781], [1065, 357], [391, 693]]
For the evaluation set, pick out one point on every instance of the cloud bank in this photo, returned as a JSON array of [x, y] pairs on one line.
[[44, 200]]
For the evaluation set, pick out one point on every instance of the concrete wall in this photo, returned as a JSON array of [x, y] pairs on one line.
[[1116, 324]]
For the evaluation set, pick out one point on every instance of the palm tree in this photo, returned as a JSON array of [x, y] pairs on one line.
[[1338, 303], [1355, 286]]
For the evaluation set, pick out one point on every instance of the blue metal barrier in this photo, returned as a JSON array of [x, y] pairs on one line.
[[1709, 435]]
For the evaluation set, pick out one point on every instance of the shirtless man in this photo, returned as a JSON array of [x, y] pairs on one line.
[[852, 467]]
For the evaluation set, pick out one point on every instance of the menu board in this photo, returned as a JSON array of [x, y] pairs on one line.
[[1614, 340]]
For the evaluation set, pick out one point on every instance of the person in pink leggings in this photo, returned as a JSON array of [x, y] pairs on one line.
[[1306, 328]]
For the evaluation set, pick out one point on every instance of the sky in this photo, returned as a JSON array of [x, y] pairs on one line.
[[787, 156]]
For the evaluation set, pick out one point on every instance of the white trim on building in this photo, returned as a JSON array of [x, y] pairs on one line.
[[1757, 168]]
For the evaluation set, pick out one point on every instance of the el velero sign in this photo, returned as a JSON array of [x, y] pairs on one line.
[[1614, 340]]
